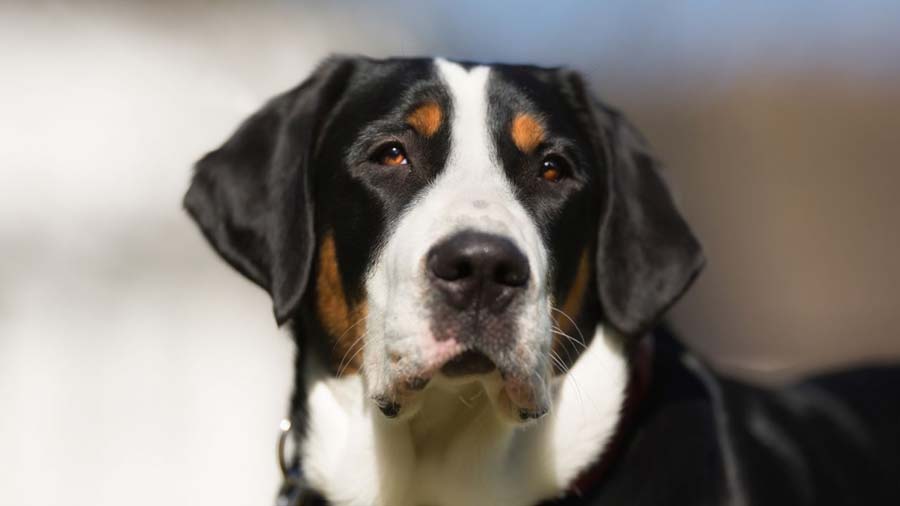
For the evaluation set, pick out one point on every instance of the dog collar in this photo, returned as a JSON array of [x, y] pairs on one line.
[[295, 491], [641, 361]]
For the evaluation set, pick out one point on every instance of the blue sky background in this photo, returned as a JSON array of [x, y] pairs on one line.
[[644, 37]]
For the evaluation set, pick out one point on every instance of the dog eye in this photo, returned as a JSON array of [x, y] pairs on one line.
[[391, 154], [553, 168]]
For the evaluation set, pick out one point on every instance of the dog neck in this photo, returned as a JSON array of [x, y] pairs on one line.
[[455, 450]]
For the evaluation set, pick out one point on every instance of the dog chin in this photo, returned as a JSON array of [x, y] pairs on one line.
[[519, 394]]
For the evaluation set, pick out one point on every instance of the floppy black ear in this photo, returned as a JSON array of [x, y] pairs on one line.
[[647, 255], [252, 196]]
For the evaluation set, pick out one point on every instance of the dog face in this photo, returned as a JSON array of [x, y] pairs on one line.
[[426, 222]]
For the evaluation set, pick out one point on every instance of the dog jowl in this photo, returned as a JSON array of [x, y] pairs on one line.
[[450, 241]]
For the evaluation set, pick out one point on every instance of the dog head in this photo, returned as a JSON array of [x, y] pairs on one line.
[[424, 221]]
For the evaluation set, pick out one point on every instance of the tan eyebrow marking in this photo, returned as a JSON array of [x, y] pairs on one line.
[[527, 133], [426, 119]]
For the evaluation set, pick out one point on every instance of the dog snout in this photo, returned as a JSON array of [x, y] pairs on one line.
[[476, 269]]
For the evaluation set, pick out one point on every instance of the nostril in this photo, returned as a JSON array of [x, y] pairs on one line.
[[445, 264], [462, 268], [511, 273]]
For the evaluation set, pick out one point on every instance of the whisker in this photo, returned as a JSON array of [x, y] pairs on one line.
[[560, 311], [577, 390], [570, 375], [568, 353], [349, 349], [344, 333], [567, 336], [581, 336], [343, 367], [571, 338], [558, 361]]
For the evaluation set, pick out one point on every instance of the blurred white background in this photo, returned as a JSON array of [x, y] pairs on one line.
[[136, 368]]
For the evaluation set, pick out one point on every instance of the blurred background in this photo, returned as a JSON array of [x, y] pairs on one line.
[[135, 367]]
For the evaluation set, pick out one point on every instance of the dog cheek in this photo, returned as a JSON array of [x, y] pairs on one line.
[[564, 317], [343, 321]]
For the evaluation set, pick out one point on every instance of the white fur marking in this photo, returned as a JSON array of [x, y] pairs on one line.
[[358, 458]]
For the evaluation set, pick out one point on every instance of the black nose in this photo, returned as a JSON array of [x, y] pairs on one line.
[[477, 269]]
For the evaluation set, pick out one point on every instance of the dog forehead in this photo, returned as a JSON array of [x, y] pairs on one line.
[[426, 93], [467, 88], [506, 91], [488, 99]]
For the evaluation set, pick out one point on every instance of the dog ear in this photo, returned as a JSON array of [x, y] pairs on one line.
[[252, 197], [647, 255]]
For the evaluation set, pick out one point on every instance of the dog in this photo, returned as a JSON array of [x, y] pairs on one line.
[[474, 261]]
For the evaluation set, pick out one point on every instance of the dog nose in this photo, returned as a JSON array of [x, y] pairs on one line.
[[475, 268]]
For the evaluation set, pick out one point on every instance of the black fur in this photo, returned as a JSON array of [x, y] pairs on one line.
[[252, 197]]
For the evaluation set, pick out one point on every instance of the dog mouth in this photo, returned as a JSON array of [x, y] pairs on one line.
[[467, 363], [519, 393]]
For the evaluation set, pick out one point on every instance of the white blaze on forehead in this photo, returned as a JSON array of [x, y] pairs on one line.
[[473, 180], [470, 144]]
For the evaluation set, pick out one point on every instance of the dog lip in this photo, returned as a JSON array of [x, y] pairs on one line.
[[531, 414], [467, 363]]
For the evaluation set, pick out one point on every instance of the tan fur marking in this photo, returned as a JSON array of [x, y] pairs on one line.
[[527, 133], [338, 318], [426, 119], [572, 307]]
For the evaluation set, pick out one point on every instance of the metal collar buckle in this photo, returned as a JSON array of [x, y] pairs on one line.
[[285, 427], [294, 491]]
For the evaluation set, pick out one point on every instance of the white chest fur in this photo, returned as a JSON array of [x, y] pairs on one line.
[[455, 450]]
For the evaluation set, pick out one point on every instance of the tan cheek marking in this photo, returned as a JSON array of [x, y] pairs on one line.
[[526, 132], [426, 119], [339, 319], [572, 306]]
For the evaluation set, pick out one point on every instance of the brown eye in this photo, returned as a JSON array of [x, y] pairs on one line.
[[553, 169], [391, 155]]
